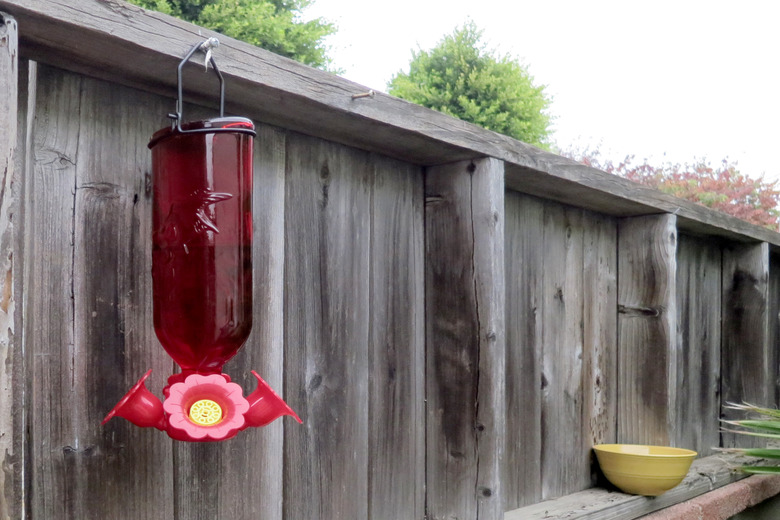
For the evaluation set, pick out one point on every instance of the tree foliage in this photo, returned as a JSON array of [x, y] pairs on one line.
[[462, 78], [274, 25], [721, 187]]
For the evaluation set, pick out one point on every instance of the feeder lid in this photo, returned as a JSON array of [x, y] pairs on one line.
[[240, 125]]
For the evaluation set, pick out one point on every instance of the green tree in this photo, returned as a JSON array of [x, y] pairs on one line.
[[274, 25], [462, 78], [722, 187]]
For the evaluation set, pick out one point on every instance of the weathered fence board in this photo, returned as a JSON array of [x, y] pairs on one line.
[[396, 435], [647, 331], [327, 227], [49, 306], [10, 448], [745, 357], [524, 260], [561, 298], [465, 341], [562, 355], [698, 342], [600, 272]]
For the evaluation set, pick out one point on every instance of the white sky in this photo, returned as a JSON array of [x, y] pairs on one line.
[[663, 80]]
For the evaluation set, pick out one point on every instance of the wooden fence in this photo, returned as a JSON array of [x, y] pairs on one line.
[[456, 316]]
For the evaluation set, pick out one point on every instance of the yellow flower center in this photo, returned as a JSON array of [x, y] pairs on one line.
[[205, 412]]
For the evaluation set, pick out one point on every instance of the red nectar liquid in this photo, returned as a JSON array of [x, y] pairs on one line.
[[202, 243]]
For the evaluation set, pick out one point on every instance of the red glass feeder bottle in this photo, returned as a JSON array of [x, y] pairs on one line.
[[202, 277]]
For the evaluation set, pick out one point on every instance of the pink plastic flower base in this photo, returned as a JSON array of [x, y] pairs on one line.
[[201, 407]]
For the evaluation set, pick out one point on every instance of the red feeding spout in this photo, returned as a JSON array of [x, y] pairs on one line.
[[266, 406], [140, 407], [202, 278]]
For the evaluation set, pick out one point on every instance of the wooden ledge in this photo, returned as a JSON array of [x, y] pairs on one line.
[[691, 498]]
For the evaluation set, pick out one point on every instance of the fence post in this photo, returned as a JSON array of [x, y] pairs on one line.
[[465, 339], [647, 328], [9, 449], [745, 357]]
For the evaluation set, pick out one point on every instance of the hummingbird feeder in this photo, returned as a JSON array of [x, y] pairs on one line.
[[202, 276]]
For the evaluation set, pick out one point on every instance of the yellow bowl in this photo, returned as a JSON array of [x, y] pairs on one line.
[[644, 470]]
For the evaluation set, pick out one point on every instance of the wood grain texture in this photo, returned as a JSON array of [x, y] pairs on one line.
[[524, 264], [579, 345], [561, 266], [396, 431], [599, 336], [705, 475], [465, 339], [745, 329], [563, 469], [10, 374], [647, 330], [121, 42], [699, 341], [48, 300], [327, 333]]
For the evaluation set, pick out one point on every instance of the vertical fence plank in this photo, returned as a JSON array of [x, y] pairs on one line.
[[10, 376], [698, 328], [524, 261], [647, 330], [397, 349], [745, 356], [117, 469], [48, 307], [599, 336], [465, 339], [327, 246], [562, 353]]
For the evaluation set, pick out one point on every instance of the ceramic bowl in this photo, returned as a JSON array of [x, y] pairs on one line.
[[644, 470]]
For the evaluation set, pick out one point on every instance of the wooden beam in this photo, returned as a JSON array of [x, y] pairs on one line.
[[745, 362], [647, 329], [465, 339], [11, 450], [125, 44]]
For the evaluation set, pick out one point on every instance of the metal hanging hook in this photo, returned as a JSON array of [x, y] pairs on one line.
[[206, 46]]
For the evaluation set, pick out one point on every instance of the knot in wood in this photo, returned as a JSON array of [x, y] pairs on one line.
[[636, 311]]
